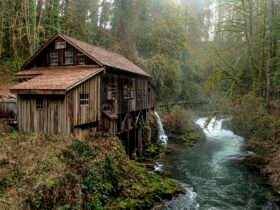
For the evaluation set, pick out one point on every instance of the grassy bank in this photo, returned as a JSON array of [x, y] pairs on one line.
[[60, 172], [179, 125]]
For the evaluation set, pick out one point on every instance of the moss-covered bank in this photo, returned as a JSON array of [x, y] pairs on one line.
[[60, 172]]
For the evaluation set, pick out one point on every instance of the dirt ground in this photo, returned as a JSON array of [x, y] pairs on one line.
[[6, 82], [4, 127]]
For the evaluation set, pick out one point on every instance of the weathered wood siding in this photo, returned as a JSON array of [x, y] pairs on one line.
[[8, 108], [43, 59], [61, 114], [143, 94], [151, 97], [51, 119], [80, 115]]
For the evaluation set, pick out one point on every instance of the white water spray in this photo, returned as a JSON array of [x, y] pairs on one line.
[[162, 137], [158, 167]]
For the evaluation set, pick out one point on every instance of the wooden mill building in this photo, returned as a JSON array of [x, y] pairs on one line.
[[69, 86]]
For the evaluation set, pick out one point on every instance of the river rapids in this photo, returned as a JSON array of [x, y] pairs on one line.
[[214, 175]]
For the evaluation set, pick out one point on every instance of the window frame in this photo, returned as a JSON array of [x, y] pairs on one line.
[[60, 44], [81, 56], [54, 57], [112, 91], [128, 89], [67, 56], [84, 99], [40, 104]]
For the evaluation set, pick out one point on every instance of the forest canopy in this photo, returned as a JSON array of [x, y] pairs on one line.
[[153, 34], [189, 47]]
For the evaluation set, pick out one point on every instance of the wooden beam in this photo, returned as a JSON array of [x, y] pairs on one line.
[[123, 122], [38, 92]]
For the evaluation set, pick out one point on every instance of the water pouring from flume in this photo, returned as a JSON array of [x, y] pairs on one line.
[[162, 136]]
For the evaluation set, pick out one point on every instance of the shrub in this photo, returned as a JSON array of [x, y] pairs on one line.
[[178, 120], [83, 149]]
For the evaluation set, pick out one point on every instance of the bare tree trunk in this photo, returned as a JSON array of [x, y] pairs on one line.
[[269, 51], [1, 26]]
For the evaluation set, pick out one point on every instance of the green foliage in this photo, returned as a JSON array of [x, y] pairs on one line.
[[90, 182], [83, 149], [110, 173], [65, 207], [140, 184], [155, 34], [12, 64], [151, 152], [192, 91]]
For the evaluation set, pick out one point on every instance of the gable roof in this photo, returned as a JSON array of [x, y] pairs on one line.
[[54, 80], [100, 55]]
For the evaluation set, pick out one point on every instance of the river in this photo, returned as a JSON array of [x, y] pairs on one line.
[[214, 176]]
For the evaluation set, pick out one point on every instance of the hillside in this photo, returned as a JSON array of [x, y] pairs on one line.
[[60, 172]]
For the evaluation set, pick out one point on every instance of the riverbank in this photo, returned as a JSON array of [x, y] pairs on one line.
[[214, 175], [260, 126], [60, 172], [266, 158]]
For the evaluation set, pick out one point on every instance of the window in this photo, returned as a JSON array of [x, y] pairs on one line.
[[53, 57], [112, 92], [138, 95], [60, 44], [125, 95], [128, 92], [40, 104], [81, 59], [68, 56], [84, 99]]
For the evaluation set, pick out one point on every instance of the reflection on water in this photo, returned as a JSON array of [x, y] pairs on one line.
[[213, 175]]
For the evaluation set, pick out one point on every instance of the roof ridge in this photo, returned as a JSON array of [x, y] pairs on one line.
[[108, 58], [97, 46], [102, 57]]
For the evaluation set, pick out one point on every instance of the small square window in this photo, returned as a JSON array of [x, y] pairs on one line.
[[59, 44], [84, 99], [53, 57], [81, 59], [40, 104]]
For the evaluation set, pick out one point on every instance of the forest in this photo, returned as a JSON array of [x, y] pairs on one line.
[[223, 52], [228, 47]]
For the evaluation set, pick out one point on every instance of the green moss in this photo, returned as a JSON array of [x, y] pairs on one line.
[[143, 189]]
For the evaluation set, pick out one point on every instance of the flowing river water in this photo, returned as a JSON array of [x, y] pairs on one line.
[[214, 176]]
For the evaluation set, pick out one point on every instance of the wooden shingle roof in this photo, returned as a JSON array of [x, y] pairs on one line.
[[54, 80], [105, 57], [100, 55]]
